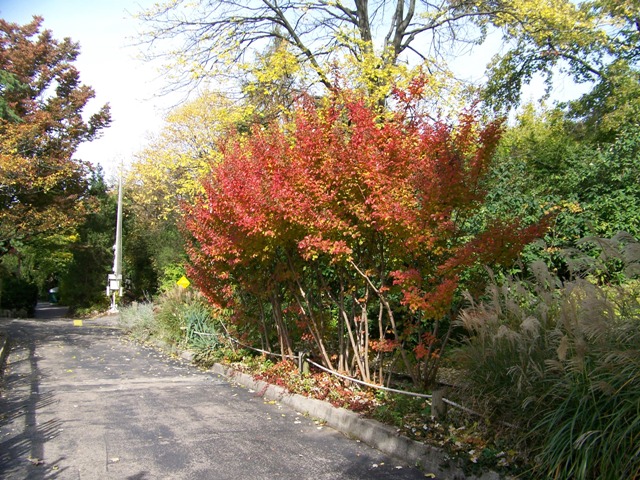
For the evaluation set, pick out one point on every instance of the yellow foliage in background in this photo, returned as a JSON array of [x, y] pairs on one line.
[[168, 171]]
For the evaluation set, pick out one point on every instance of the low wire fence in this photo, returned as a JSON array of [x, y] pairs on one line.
[[437, 399]]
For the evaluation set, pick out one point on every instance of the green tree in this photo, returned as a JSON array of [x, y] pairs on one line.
[[611, 106], [42, 188], [544, 164], [592, 41], [8, 86], [83, 281]]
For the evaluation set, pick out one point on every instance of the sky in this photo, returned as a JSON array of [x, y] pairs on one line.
[[106, 32]]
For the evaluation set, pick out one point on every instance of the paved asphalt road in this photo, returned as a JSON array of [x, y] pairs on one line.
[[82, 402]]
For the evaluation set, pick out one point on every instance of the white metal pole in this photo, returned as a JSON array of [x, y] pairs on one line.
[[117, 265], [115, 280]]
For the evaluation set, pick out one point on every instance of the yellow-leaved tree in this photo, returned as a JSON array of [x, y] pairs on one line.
[[583, 38], [167, 171], [165, 175]]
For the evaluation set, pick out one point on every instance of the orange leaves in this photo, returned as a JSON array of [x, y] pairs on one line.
[[425, 349], [44, 190], [384, 345], [432, 296], [339, 177], [311, 246], [344, 205]]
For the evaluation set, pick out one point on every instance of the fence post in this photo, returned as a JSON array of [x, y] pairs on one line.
[[303, 365], [438, 407]]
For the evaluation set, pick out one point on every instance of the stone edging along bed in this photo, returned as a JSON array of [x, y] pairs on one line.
[[375, 434]]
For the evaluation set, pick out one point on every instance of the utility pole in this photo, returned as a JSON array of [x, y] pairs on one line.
[[114, 281]]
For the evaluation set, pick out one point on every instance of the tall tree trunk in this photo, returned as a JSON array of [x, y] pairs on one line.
[[265, 331], [381, 333], [352, 340], [364, 335], [308, 312], [313, 327]]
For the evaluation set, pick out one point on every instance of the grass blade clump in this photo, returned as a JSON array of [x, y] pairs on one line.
[[138, 320], [201, 333], [561, 360]]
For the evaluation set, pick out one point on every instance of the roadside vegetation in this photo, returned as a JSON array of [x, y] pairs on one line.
[[169, 324], [348, 197], [559, 359]]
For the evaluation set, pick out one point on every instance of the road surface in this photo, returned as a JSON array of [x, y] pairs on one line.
[[83, 402]]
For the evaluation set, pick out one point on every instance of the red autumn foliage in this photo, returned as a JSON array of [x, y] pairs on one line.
[[344, 209]]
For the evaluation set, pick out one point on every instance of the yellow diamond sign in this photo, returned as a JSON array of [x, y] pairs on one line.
[[183, 282]]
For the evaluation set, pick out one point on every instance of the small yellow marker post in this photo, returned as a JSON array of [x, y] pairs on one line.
[[77, 323], [183, 282]]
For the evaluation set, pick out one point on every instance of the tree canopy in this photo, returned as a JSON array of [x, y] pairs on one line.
[[167, 171], [582, 39], [219, 37], [346, 184], [42, 188], [343, 211], [203, 39]]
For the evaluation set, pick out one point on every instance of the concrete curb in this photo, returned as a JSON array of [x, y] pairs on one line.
[[373, 433]]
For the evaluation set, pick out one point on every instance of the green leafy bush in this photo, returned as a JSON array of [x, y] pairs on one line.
[[170, 275], [399, 410], [543, 164], [18, 295], [561, 360]]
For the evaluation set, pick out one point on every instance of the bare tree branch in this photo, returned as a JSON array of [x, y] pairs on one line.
[[210, 39]]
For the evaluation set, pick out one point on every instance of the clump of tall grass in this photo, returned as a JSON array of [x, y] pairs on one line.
[[185, 319], [561, 360], [176, 310], [200, 331], [170, 308], [138, 320], [178, 317]]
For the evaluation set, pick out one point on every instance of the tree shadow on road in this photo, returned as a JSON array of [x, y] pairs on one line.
[[21, 454], [140, 476]]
